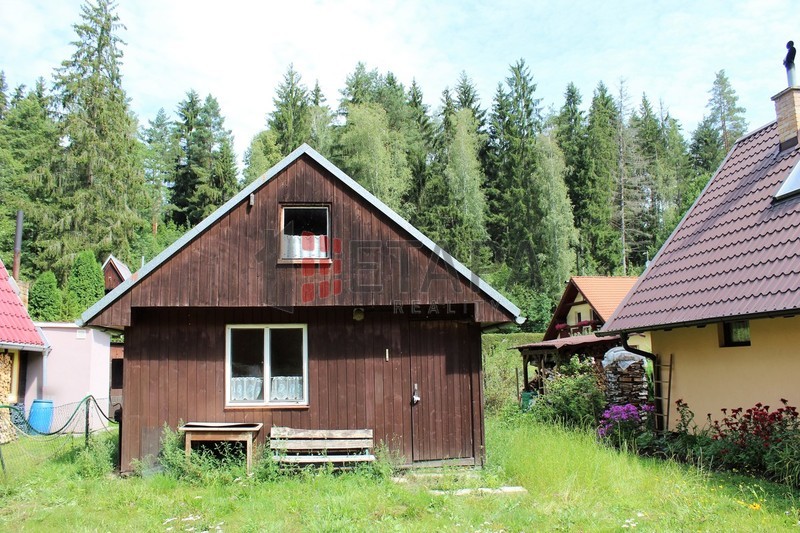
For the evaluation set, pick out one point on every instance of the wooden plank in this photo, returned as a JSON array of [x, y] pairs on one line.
[[278, 432], [320, 444], [311, 459], [219, 426], [406, 355]]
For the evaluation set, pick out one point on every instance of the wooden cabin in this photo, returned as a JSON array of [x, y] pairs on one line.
[[306, 302]]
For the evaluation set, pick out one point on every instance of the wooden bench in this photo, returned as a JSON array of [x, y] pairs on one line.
[[309, 446], [221, 431]]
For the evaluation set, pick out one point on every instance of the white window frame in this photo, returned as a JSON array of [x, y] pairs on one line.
[[284, 256], [267, 371]]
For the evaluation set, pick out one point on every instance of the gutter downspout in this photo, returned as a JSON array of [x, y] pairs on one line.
[[656, 379]]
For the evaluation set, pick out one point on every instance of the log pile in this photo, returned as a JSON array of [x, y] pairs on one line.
[[7, 432], [628, 385]]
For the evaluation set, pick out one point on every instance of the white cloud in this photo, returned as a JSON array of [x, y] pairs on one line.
[[239, 50]]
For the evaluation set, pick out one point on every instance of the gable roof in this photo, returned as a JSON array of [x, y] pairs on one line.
[[121, 268], [17, 330], [602, 293], [470, 277], [736, 253]]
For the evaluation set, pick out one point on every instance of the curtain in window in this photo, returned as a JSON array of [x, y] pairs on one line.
[[305, 246], [244, 389], [286, 388]]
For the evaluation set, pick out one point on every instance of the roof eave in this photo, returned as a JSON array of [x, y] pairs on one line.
[[22, 347], [786, 313]]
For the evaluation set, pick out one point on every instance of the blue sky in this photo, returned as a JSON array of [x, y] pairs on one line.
[[239, 50]]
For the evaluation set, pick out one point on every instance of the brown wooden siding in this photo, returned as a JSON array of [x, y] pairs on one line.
[[235, 262], [175, 371]]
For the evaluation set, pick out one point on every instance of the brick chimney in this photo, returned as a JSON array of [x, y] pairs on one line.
[[787, 111], [787, 103]]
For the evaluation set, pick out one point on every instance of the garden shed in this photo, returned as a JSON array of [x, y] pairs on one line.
[[306, 302]]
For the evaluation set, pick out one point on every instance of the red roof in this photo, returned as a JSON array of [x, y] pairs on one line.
[[16, 327], [602, 293], [735, 254]]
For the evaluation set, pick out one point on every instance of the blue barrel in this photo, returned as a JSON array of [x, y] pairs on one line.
[[41, 415]]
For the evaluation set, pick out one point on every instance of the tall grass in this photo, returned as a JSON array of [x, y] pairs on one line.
[[584, 485], [574, 483]]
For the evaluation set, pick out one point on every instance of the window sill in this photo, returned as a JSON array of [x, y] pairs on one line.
[[265, 407], [306, 261]]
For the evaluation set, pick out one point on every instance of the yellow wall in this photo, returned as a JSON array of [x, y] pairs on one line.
[[583, 309], [709, 378]]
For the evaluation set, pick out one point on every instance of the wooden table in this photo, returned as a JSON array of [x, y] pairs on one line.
[[221, 431]]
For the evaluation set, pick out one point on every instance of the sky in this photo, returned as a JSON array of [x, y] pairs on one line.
[[239, 50]]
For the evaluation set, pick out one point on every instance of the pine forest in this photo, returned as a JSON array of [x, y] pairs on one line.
[[523, 192]]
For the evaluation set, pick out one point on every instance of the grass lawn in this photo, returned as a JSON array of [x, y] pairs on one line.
[[572, 482]]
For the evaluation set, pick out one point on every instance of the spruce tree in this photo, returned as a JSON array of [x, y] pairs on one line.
[[321, 134], [159, 156], [599, 237], [528, 192], [29, 177], [420, 144], [570, 134], [103, 181], [291, 120]]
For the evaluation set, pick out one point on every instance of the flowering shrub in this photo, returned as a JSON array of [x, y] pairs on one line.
[[623, 424], [757, 439]]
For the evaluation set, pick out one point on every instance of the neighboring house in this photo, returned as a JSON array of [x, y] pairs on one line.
[[76, 365], [114, 273], [304, 301], [722, 297], [19, 340], [585, 305]]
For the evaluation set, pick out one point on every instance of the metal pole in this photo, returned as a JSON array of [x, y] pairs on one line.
[[17, 247], [86, 427]]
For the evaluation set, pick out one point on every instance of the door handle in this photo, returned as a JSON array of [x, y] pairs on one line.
[[415, 399]]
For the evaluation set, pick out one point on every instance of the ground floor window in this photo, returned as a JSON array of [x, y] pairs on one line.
[[266, 364]]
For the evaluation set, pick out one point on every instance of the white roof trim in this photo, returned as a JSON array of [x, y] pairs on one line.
[[190, 235]]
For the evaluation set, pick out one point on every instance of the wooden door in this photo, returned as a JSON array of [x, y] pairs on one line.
[[440, 374]]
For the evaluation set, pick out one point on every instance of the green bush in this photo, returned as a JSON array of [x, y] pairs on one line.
[[222, 463], [85, 285], [44, 299], [572, 396], [97, 458]]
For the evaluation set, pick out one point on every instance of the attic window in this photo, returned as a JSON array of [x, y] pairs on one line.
[[305, 232], [791, 185]]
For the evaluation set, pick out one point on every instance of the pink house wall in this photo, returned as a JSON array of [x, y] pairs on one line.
[[77, 365]]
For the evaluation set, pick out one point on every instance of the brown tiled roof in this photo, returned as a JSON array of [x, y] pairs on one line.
[[735, 254], [602, 293], [570, 342]]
